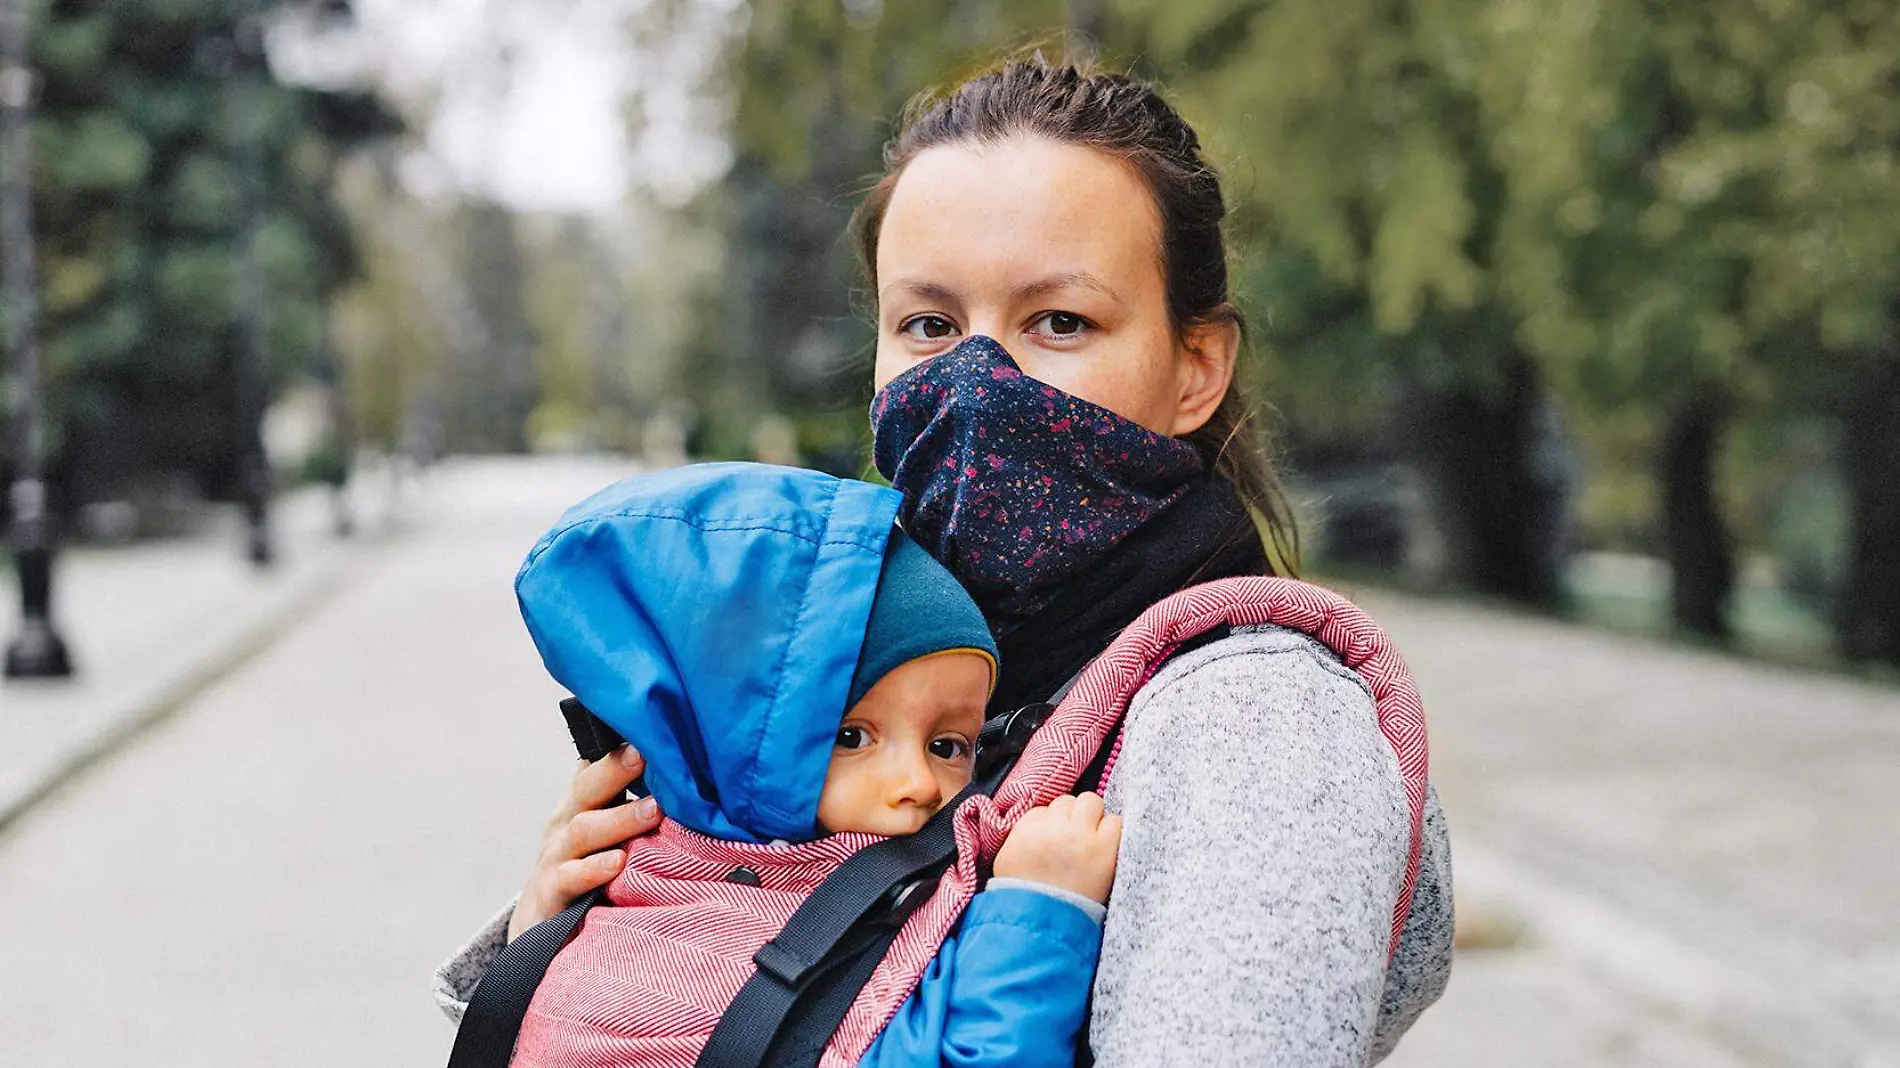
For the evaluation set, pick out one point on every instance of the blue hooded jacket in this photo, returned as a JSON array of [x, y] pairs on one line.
[[714, 616]]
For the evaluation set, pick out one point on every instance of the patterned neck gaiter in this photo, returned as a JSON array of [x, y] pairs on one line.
[[1013, 484]]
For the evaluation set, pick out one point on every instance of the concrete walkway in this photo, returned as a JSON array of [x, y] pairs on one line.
[[266, 879], [1678, 858], [149, 625]]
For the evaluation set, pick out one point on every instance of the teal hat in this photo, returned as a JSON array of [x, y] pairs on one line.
[[920, 610]]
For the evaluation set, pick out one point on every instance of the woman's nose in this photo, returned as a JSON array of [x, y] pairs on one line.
[[996, 330]]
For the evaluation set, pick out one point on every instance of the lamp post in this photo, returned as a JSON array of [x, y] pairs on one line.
[[37, 650]]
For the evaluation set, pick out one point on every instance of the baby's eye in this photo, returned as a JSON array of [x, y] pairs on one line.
[[1060, 324], [928, 328], [949, 748], [853, 738]]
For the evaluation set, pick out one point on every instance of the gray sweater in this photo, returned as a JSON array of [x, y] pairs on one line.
[[1265, 839]]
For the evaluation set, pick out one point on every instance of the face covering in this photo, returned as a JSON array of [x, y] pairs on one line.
[[1013, 484]]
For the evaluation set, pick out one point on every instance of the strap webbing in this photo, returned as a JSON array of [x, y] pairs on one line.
[[803, 1037], [805, 950], [492, 1022]]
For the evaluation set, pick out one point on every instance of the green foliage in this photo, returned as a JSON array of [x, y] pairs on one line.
[[152, 124], [1641, 196]]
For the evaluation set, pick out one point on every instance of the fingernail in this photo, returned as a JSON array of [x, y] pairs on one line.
[[629, 756], [646, 808], [612, 859]]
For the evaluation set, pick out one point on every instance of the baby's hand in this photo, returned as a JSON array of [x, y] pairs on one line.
[[1069, 844]]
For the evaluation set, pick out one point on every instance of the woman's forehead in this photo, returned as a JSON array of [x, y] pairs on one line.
[[1017, 211]]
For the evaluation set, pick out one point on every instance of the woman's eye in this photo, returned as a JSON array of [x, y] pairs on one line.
[[928, 328], [853, 738], [1062, 324], [949, 748]]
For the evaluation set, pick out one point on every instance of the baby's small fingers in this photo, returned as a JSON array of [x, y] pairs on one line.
[[1090, 805]]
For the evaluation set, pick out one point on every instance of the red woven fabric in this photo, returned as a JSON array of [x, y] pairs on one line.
[[645, 980]]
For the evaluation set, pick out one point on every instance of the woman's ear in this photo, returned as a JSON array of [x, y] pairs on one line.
[[1205, 361]]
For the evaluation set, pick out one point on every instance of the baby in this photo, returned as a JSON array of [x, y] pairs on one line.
[[800, 676]]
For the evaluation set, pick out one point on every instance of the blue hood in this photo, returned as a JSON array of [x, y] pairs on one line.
[[713, 615]]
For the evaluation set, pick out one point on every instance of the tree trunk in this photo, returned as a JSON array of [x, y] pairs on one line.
[[1701, 556], [1870, 602], [1500, 481]]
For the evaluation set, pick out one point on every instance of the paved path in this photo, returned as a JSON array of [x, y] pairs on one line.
[[148, 625], [267, 879], [1700, 853], [1694, 853]]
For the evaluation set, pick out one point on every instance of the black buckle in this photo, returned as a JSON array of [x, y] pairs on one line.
[[905, 898], [1005, 737], [785, 967], [891, 910]]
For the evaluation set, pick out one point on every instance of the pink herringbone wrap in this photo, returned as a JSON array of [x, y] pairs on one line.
[[646, 979]]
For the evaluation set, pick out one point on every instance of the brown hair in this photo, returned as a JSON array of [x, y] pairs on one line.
[[1078, 105]]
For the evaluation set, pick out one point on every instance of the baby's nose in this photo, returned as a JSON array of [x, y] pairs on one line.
[[913, 784]]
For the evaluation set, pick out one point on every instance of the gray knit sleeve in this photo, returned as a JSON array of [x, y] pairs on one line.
[[455, 979], [1265, 838], [1422, 966]]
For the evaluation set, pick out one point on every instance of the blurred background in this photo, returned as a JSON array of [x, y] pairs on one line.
[[1579, 321]]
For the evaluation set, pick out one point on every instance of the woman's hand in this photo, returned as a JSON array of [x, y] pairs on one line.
[[1070, 843], [577, 849]]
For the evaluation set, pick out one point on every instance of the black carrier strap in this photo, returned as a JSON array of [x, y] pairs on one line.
[[879, 886], [812, 971], [489, 1028], [495, 1011]]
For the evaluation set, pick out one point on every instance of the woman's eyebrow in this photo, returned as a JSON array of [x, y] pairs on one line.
[[929, 291], [1066, 280]]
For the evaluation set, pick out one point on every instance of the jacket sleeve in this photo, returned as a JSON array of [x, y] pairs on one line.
[[455, 979], [1422, 966], [1264, 841], [1010, 988]]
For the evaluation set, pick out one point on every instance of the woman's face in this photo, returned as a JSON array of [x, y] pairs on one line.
[[1054, 250]]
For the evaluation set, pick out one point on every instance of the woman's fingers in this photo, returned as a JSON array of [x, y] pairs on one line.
[[577, 877], [592, 831], [603, 781], [575, 850], [555, 887]]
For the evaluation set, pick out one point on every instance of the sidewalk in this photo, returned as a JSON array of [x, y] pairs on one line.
[[1691, 859], [149, 625]]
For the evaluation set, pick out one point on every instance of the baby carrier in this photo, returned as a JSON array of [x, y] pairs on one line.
[[751, 955]]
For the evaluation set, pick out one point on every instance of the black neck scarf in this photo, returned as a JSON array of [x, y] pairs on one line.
[[1205, 535]]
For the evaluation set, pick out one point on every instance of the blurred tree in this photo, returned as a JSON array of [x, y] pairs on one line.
[[139, 192], [492, 387], [398, 322], [1382, 227], [1796, 149], [1667, 208]]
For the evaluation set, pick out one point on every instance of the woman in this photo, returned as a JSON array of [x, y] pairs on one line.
[[1055, 365]]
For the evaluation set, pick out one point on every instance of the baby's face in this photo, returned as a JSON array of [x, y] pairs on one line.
[[907, 747]]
